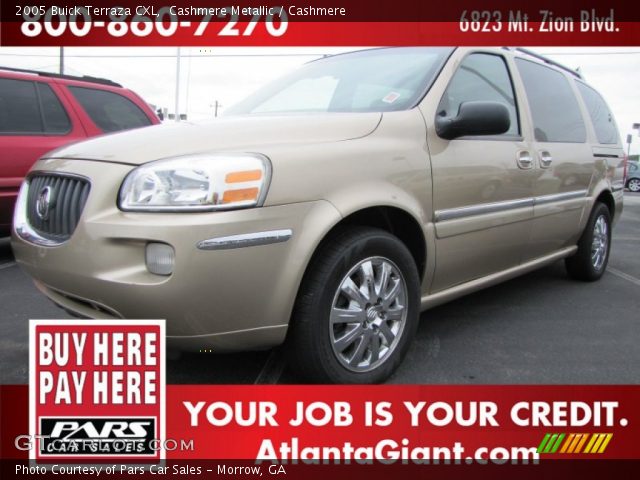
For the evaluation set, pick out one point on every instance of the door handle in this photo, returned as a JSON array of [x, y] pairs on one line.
[[545, 159], [524, 160]]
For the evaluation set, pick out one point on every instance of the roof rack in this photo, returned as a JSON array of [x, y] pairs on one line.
[[544, 59], [84, 78]]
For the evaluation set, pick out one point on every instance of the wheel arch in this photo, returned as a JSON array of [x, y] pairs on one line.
[[606, 197], [394, 220]]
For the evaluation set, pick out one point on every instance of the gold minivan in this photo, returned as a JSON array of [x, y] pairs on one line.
[[331, 207]]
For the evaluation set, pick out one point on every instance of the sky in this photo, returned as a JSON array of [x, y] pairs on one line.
[[227, 75]]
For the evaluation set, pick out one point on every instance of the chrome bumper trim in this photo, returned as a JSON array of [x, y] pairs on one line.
[[246, 240]]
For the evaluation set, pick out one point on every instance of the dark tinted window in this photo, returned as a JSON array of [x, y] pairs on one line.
[[601, 117], [109, 111], [481, 77], [555, 110], [19, 112], [55, 117]]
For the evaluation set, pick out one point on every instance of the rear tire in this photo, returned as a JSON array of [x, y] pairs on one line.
[[634, 185], [357, 310], [590, 261]]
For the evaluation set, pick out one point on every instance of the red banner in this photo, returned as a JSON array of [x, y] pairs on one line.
[[319, 23], [396, 424], [331, 34]]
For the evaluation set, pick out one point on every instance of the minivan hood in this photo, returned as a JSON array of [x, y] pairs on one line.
[[249, 133]]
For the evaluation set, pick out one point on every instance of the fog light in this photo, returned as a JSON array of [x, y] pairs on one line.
[[160, 258]]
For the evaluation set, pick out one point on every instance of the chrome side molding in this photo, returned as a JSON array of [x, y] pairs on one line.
[[246, 240], [454, 213], [485, 208], [559, 197]]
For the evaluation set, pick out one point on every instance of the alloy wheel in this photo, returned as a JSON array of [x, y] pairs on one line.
[[368, 314]]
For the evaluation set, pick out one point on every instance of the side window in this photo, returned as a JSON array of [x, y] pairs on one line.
[[109, 111], [481, 77], [554, 108], [19, 111], [54, 115], [601, 117]]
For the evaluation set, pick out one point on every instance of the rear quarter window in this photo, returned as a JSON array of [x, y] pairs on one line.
[[600, 115], [110, 111], [19, 109], [554, 108], [54, 115]]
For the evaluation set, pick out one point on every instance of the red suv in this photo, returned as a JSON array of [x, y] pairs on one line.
[[43, 111]]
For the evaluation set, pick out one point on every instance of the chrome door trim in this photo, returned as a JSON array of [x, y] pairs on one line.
[[485, 208], [559, 197], [481, 209], [246, 240]]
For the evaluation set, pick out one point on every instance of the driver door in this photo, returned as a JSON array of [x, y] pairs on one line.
[[482, 186]]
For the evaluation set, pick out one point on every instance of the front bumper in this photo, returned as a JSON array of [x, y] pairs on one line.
[[220, 299]]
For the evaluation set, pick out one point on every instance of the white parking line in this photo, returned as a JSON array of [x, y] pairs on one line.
[[627, 238], [6, 265], [272, 369], [626, 276]]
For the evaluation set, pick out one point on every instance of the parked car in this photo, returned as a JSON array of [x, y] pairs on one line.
[[633, 177], [43, 111], [325, 211]]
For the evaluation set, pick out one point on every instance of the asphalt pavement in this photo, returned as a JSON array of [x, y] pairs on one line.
[[539, 328]]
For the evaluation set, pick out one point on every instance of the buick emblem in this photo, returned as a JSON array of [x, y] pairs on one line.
[[43, 203]]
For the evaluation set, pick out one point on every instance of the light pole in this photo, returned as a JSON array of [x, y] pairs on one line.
[[216, 105], [635, 126], [177, 105]]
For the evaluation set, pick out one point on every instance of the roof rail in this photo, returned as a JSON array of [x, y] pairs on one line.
[[533, 54], [84, 78]]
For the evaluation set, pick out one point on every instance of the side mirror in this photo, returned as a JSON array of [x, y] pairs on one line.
[[475, 118]]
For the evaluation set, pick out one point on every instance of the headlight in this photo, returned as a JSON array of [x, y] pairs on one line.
[[196, 183]]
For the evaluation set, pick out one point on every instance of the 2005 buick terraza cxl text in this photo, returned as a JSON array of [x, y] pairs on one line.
[[329, 208]]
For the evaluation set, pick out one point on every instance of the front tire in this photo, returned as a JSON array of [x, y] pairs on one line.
[[357, 310], [592, 257]]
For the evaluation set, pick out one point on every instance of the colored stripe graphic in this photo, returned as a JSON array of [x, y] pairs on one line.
[[556, 445], [543, 443], [581, 442], [603, 447], [592, 440], [570, 439], [572, 443], [550, 443]]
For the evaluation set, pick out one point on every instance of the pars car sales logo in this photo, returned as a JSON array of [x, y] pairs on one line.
[[97, 389]]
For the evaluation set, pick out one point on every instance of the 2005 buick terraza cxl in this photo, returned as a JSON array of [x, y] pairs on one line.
[[329, 208]]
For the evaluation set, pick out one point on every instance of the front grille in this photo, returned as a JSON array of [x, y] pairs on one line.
[[61, 200]]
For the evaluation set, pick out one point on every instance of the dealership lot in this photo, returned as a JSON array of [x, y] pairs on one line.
[[539, 328]]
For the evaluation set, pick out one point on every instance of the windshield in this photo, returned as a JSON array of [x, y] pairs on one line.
[[377, 80]]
